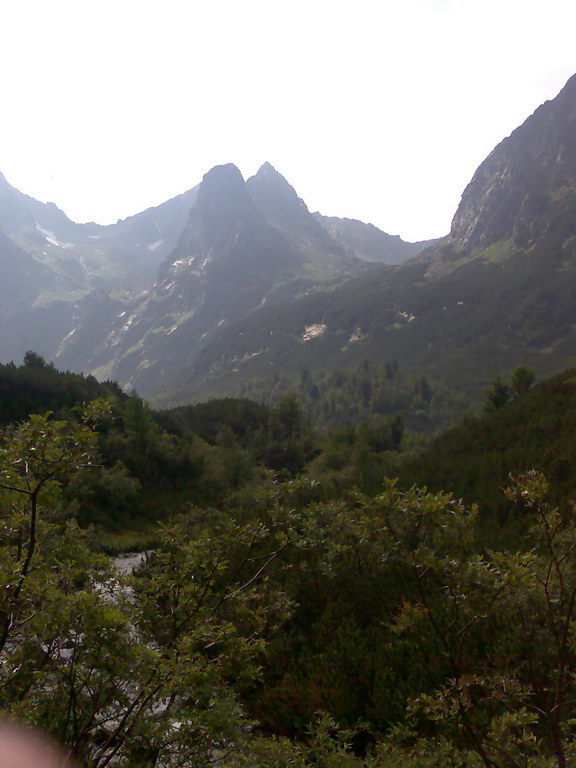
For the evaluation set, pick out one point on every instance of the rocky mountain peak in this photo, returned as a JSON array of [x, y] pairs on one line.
[[512, 193], [222, 207], [281, 206], [226, 227], [222, 192], [279, 202], [267, 168], [269, 189], [267, 174], [221, 182]]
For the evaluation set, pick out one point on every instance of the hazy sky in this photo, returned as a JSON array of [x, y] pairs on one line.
[[378, 110]]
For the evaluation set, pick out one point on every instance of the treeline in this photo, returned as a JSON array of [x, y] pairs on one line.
[[359, 632], [37, 386], [524, 428], [156, 463], [343, 396], [298, 608]]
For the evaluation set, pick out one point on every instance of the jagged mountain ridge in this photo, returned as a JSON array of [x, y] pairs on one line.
[[139, 299], [368, 242], [230, 260], [60, 276], [125, 255], [498, 291]]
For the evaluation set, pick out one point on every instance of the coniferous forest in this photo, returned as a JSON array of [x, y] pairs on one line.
[[286, 603]]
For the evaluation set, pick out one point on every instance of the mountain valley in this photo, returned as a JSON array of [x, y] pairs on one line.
[[252, 532], [235, 282]]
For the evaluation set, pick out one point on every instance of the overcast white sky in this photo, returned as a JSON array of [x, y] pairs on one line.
[[377, 110]]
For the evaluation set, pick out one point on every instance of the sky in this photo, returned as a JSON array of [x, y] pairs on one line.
[[379, 110]]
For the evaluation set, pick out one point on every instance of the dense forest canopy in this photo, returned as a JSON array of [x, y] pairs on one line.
[[294, 606]]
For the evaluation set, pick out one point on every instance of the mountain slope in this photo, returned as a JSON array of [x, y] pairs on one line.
[[230, 259], [368, 242], [59, 275], [524, 181], [22, 277], [226, 263], [278, 202], [476, 459], [244, 245], [83, 256], [498, 291], [138, 299]]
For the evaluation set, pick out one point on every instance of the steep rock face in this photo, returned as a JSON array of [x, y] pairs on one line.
[[514, 191], [229, 260], [281, 206], [244, 245], [226, 229], [369, 243], [229, 257]]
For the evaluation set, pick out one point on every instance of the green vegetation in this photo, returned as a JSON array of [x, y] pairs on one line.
[[155, 464], [475, 459], [345, 396], [293, 607], [37, 387]]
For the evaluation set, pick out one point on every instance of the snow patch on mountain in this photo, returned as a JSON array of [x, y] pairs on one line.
[[51, 238], [313, 331]]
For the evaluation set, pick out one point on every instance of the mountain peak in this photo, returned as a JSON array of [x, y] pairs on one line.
[[267, 169], [226, 170], [278, 201], [513, 192], [268, 187], [268, 179], [222, 210], [222, 178], [222, 199]]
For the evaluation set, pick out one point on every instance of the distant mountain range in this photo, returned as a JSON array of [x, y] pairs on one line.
[[138, 300], [235, 280], [368, 242]]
